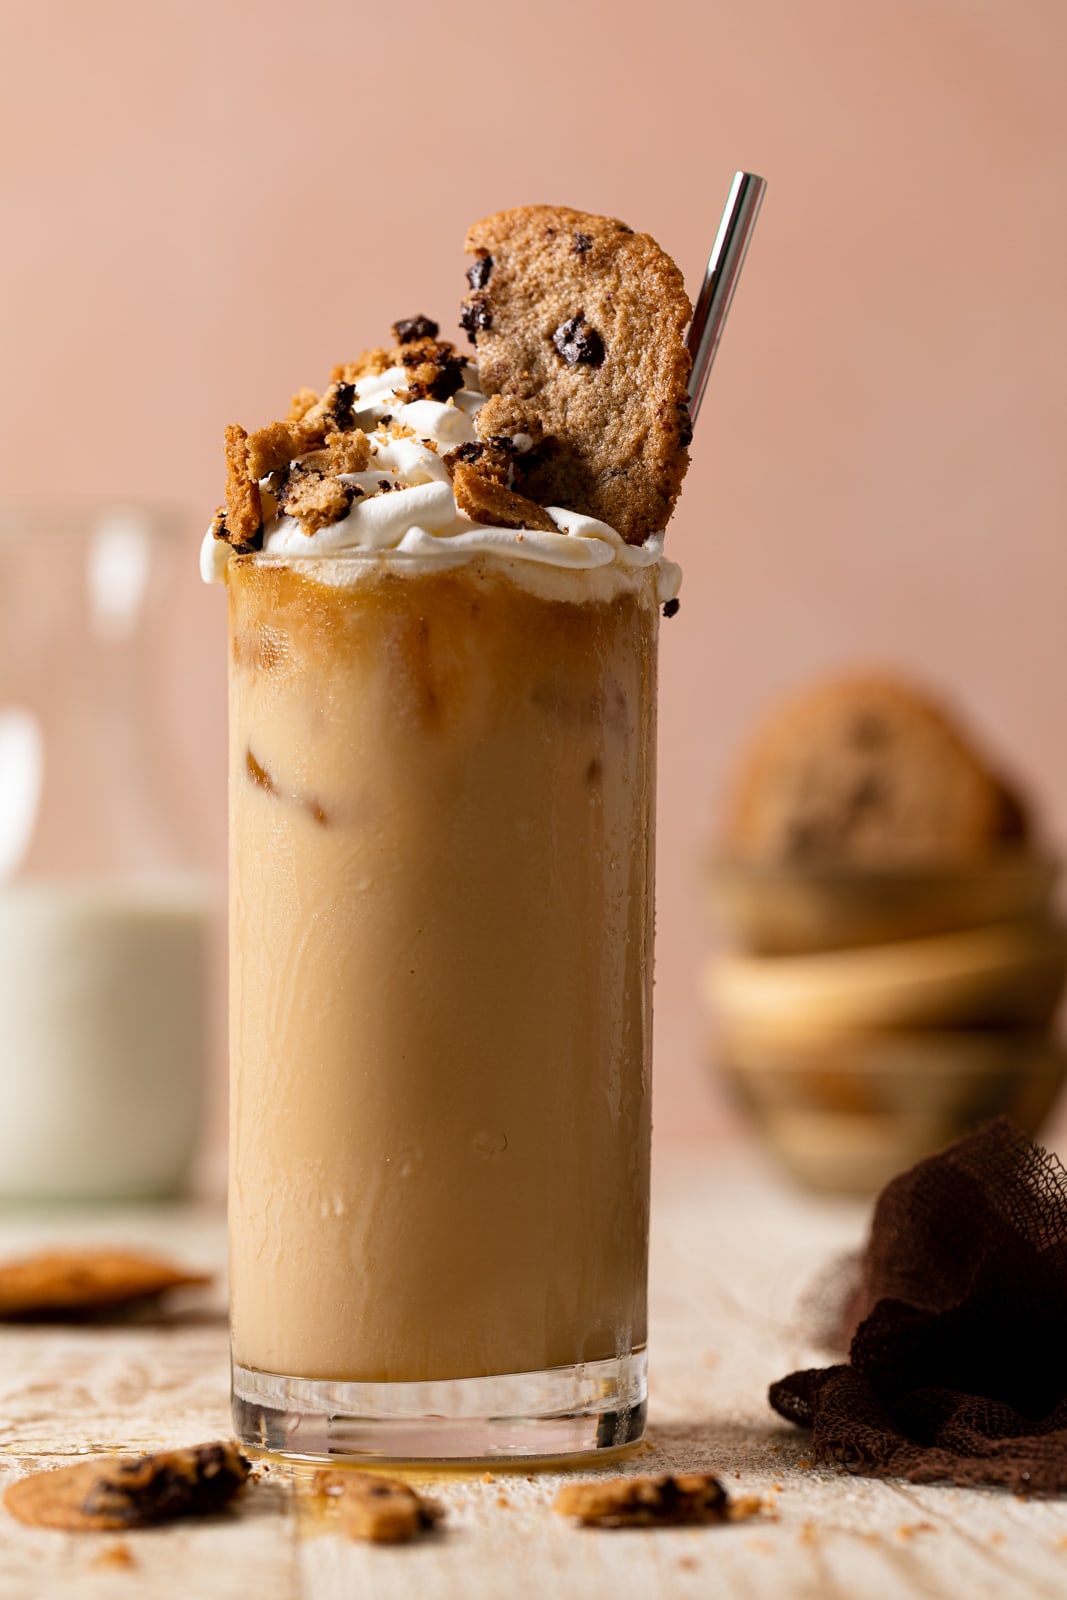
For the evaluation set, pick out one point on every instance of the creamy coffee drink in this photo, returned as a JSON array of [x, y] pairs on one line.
[[442, 714], [442, 791]]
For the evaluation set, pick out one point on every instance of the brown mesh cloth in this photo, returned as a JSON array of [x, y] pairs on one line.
[[958, 1363]]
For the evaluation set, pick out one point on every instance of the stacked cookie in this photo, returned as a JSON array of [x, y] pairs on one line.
[[894, 963]]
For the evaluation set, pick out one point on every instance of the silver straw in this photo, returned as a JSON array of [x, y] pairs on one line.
[[720, 280]]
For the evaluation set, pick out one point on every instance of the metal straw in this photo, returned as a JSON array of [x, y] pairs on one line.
[[720, 280]]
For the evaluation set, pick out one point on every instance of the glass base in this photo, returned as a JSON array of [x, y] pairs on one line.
[[597, 1405]]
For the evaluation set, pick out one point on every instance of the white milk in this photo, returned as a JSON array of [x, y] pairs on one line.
[[102, 1035]]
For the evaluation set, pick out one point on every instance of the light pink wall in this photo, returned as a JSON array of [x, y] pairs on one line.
[[206, 203]]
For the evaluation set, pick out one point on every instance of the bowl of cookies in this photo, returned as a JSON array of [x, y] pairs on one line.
[[890, 958]]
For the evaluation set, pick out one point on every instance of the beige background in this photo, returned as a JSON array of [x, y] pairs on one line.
[[207, 202]]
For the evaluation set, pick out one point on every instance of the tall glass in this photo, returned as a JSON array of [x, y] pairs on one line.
[[442, 841]]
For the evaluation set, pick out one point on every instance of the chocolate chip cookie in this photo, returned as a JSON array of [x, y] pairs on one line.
[[118, 1492], [869, 771], [581, 320], [72, 1283]]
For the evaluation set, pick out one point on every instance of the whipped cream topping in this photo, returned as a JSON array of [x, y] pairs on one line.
[[407, 504]]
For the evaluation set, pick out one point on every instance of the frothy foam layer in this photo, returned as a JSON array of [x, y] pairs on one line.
[[407, 505]]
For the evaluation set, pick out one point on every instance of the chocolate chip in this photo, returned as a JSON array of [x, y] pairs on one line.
[[449, 378], [478, 272], [582, 243], [578, 343], [344, 407], [173, 1483], [414, 328], [476, 317], [685, 425], [671, 608]]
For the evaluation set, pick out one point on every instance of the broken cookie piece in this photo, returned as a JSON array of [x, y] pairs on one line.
[[72, 1282], [492, 460], [273, 447], [488, 502], [381, 1510], [130, 1491], [333, 411], [315, 500], [242, 525], [667, 1501], [586, 318], [270, 449], [342, 452], [369, 364], [433, 369], [301, 404]]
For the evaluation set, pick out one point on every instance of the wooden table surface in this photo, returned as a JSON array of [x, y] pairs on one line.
[[734, 1248]]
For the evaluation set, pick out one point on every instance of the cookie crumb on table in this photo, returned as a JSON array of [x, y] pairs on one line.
[[116, 1555], [379, 1509], [667, 1500]]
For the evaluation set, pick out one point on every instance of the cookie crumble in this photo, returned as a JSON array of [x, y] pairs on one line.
[[375, 1508]]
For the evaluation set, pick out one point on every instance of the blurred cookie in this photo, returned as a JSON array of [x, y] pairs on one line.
[[869, 771], [581, 320], [81, 1282]]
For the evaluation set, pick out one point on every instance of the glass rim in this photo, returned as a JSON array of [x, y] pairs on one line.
[[428, 561]]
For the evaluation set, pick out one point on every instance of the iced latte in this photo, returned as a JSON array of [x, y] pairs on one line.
[[442, 715]]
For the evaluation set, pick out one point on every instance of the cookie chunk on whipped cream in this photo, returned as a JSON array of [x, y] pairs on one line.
[[368, 467]]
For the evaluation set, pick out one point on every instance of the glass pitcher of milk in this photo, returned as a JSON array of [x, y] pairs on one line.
[[103, 925]]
